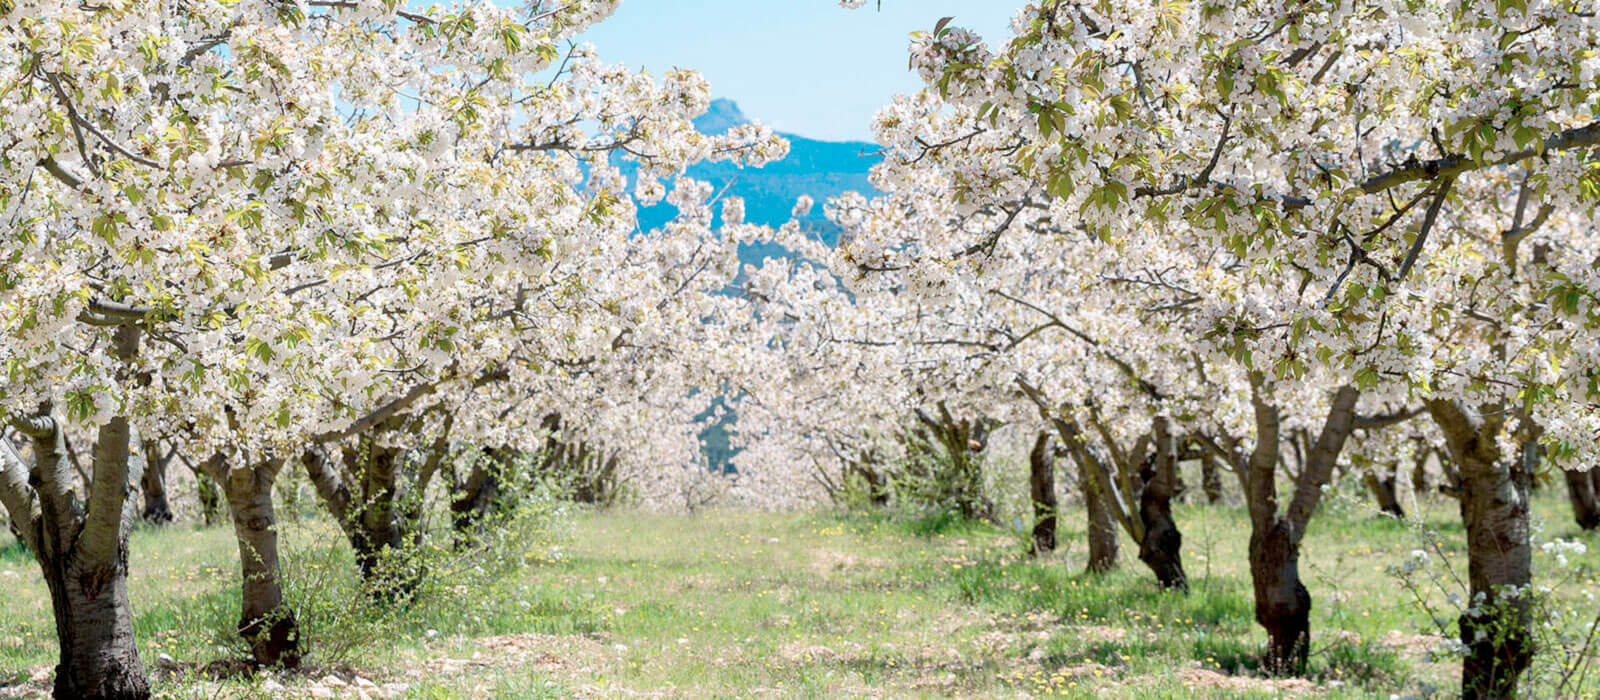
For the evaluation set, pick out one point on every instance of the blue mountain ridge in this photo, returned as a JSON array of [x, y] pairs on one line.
[[822, 169]]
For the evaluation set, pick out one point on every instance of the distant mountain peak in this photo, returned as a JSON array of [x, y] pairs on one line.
[[723, 115]]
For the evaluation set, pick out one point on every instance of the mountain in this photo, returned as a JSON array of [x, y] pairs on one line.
[[721, 117], [822, 169]]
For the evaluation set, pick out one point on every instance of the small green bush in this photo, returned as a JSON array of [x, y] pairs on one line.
[[341, 615]]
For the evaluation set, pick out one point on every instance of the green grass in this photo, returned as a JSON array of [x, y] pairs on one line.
[[732, 604]]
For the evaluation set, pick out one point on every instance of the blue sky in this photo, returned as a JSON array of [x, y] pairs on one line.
[[805, 67]]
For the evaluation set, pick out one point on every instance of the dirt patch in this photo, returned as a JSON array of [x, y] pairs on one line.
[[333, 686], [569, 658], [35, 684], [1097, 633], [827, 561], [1415, 645], [1196, 678], [562, 655], [308, 681], [803, 653]]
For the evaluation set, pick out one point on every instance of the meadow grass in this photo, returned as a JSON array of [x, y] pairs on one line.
[[735, 604]]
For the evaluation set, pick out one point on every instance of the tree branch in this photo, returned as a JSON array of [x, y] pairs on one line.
[[1322, 458], [1455, 165], [1428, 221], [20, 501]]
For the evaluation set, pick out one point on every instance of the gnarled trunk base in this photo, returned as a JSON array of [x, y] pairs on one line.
[[94, 626], [1161, 549], [1283, 605], [274, 637]]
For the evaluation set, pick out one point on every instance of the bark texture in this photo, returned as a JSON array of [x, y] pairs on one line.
[[82, 550], [1042, 486], [1102, 535], [1161, 546], [1283, 604], [1099, 501], [94, 628], [266, 622], [1494, 508]]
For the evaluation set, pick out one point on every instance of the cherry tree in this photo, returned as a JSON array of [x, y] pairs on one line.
[[1330, 148], [262, 226]]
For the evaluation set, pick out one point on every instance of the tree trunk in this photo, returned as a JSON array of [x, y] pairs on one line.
[[1099, 499], [474, 496], [1104, 512], [381, 537], [1582, 491], [1161, 547], [1283, 605], [365, 516], [210, 500], [266, 623], [82, 550], [876, 483], [94, 626], [1102, 528], [154, 485], [1494, 506], [1042, 483], [1211, 479], [1383, 489], [1419, 475], [1497, 629]]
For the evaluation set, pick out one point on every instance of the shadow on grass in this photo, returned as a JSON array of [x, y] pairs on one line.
[[1123, 619], [917, 523], [1122, 596], [1364, 663], [1226, 654]]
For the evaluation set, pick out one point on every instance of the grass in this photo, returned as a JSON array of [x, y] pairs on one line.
[[810, 605]]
